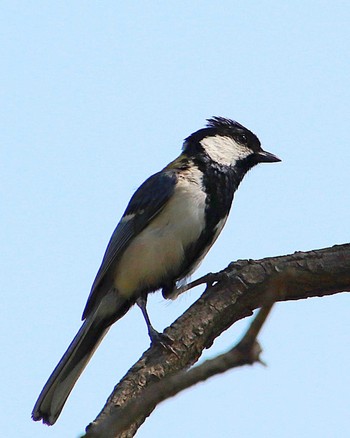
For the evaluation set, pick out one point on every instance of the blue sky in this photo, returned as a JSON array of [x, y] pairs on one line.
[[95, 97]]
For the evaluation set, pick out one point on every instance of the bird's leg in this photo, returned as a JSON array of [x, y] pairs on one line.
[[171, 292], [155, 336], [152, 332]]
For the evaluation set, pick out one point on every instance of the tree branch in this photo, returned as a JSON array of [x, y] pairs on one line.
[[231, 295], [246, 352]]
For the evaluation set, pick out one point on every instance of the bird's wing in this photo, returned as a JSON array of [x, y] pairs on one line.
[[149, 199]]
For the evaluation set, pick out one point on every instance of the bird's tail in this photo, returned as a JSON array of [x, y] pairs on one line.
[[59, 385]]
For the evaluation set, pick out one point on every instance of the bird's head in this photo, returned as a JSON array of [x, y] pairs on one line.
[[227, 143]]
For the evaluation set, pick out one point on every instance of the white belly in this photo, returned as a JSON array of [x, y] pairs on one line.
[[158, 251]]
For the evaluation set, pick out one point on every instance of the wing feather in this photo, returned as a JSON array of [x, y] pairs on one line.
[[146, 203]]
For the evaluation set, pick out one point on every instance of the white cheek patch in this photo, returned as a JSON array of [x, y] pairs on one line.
[[224, 150]]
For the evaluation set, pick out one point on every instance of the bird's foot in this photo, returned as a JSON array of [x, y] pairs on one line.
[[172, 292], [161, 339]]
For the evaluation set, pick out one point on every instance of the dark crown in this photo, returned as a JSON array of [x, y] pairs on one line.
[[224, 127], [221, 122]]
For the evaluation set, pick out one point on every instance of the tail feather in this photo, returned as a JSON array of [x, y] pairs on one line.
[[61, 382], [54, 394]]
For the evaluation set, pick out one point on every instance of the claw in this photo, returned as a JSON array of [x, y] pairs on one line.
[[161, 339]]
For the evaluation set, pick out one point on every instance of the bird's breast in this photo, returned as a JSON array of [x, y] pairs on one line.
[[156, 254]]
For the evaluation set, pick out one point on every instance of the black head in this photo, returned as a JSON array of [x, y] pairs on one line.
[[227, 143]]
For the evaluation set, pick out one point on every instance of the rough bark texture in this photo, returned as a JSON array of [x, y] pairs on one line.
[[239, 289]]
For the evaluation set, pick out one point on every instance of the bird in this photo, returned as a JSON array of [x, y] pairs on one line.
[[168, 227]]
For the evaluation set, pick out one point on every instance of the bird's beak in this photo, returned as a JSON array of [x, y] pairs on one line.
[[267, 157]]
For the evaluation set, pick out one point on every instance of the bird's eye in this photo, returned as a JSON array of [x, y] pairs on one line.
[[242, 139]]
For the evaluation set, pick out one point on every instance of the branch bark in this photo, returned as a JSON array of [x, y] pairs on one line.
[[231, 295]]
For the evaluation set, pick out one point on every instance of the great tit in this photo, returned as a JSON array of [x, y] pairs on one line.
[[169, 225]]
